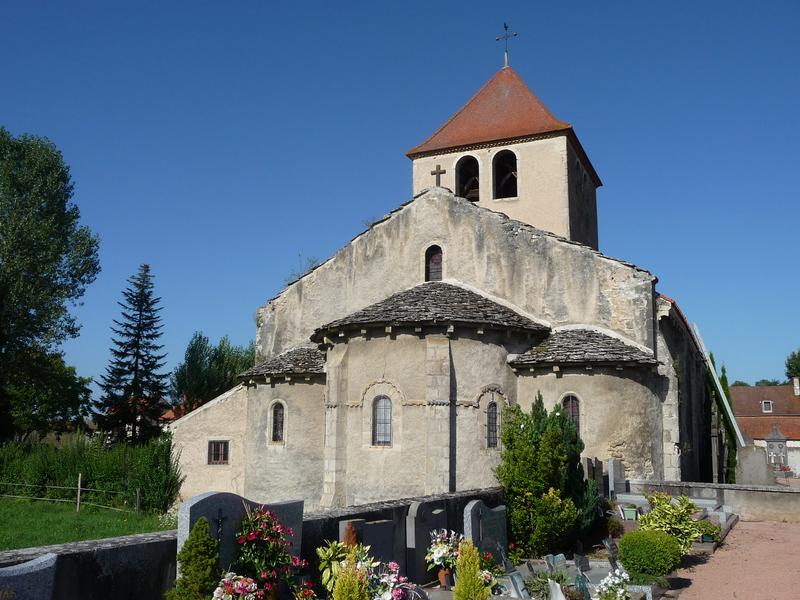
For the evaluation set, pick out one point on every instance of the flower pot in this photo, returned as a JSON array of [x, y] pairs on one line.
[[444, 578], [630, 513]]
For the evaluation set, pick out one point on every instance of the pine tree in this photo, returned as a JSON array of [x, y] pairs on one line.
[[134, 392], [198, 561], [469, 583]]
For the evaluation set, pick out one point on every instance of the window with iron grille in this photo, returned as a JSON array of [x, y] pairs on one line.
[[277, 422], [572, 409], [433, 264], [491, 425], [218, 452], [382, 421]]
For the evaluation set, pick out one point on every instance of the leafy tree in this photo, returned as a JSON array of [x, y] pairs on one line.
[[740, 383], [767, 382], [133, 389], [730, 437], [208, 371], [198, 562], [793, 365], [47, 260]]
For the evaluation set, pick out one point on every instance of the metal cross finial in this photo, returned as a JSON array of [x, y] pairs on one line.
[[438, 173], [506, 36]]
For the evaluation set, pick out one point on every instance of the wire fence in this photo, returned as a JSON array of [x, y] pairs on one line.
[[76, 495]]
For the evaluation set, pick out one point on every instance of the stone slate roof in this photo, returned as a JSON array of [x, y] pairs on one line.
[[298, 361], [432, 303], [581, 346]]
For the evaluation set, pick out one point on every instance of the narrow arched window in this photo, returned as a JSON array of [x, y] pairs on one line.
[[491, 425], [277, 422], [382, 421], [504, 172], [467, 178], [433, 264], [573, 410]]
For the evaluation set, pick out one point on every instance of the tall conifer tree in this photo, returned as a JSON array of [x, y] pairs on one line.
[[134, 391]]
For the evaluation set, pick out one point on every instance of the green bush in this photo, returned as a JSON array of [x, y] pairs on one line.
[[710, 529], [538, 587], [652, 553], [351, 584], [545, 524], [198, 564], [117, 471], [469, 583], [674, 519], [615, 527]]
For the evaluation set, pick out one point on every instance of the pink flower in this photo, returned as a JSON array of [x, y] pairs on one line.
[[393, 566]]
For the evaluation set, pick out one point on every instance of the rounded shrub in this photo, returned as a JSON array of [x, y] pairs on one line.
[[653, 553]]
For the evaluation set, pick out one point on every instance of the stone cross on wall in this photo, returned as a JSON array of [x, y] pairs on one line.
[[438, 172]]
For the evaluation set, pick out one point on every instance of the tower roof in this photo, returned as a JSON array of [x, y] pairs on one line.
[[503, 109]]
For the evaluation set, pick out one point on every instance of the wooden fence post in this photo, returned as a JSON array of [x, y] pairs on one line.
[[78, 501]]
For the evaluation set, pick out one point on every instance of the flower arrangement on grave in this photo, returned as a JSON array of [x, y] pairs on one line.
[[264, 553], [237, 587], [614, 586], [443, 551], [490, 570]]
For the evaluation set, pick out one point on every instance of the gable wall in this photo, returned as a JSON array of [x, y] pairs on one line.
[[549, 278]]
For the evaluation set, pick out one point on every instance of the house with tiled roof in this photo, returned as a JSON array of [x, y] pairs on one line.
[[770, 416], [383, 372]]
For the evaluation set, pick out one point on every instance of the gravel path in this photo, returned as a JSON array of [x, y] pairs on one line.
[[759, 561]]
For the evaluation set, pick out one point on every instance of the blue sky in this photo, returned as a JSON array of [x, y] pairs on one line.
[[218, 141]]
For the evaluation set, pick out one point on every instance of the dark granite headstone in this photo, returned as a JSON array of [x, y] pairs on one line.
[[486, 527], [611, 546], [422, 518], [32, 580], [224, 512]]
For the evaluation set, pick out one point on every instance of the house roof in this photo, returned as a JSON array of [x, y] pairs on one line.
[[431, 303], [581, 346], [759, 428], [747, 400], [298, 361], [504, 108]]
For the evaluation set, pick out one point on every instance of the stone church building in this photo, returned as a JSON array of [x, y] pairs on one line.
[[383, 372]]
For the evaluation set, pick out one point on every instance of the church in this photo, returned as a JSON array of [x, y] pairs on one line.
[[383, 372]]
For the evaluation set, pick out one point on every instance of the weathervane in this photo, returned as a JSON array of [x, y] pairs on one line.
[[506, 36]]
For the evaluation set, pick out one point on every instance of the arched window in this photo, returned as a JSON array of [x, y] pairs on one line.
[[277, 422], [491, 425], [433, 264], [382, 421], [504, 171], [467, 181], [572, 409]]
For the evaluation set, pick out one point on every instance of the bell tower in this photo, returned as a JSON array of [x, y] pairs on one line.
[[504, 150]]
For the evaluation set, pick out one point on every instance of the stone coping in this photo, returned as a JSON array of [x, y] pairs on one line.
[[20, 555], [736, 487]]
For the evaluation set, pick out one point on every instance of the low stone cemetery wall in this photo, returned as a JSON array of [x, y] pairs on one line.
[[139, 567], [750, 502]]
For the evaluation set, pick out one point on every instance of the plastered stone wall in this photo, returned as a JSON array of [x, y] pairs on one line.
[[542, 186], [544, 276], [620, 412], [582, 201], [224, 418], [292, 469]]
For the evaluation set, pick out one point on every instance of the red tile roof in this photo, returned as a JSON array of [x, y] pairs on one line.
[[756, 423], [503, 109]]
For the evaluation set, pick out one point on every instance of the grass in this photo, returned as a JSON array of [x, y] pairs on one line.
[[24, 523]]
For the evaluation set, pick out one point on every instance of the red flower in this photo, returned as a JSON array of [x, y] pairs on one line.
[[251, 536], [241, 539]]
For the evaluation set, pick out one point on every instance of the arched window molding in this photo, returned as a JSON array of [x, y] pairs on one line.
[[468, 178], [434, 263], [491, 401], [571, 405], [504, 175], [382, 421], [276, 432]]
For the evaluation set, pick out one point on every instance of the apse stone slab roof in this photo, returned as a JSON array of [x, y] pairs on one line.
[[434, 303], [504, 108], [582, 346], [298, 361]]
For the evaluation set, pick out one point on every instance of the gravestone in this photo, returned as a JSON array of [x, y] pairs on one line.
[[611, 546], [555, 563], [616, 478], [224, 512], [378, 535], [31, 580], [486, 527], [422, 518]]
